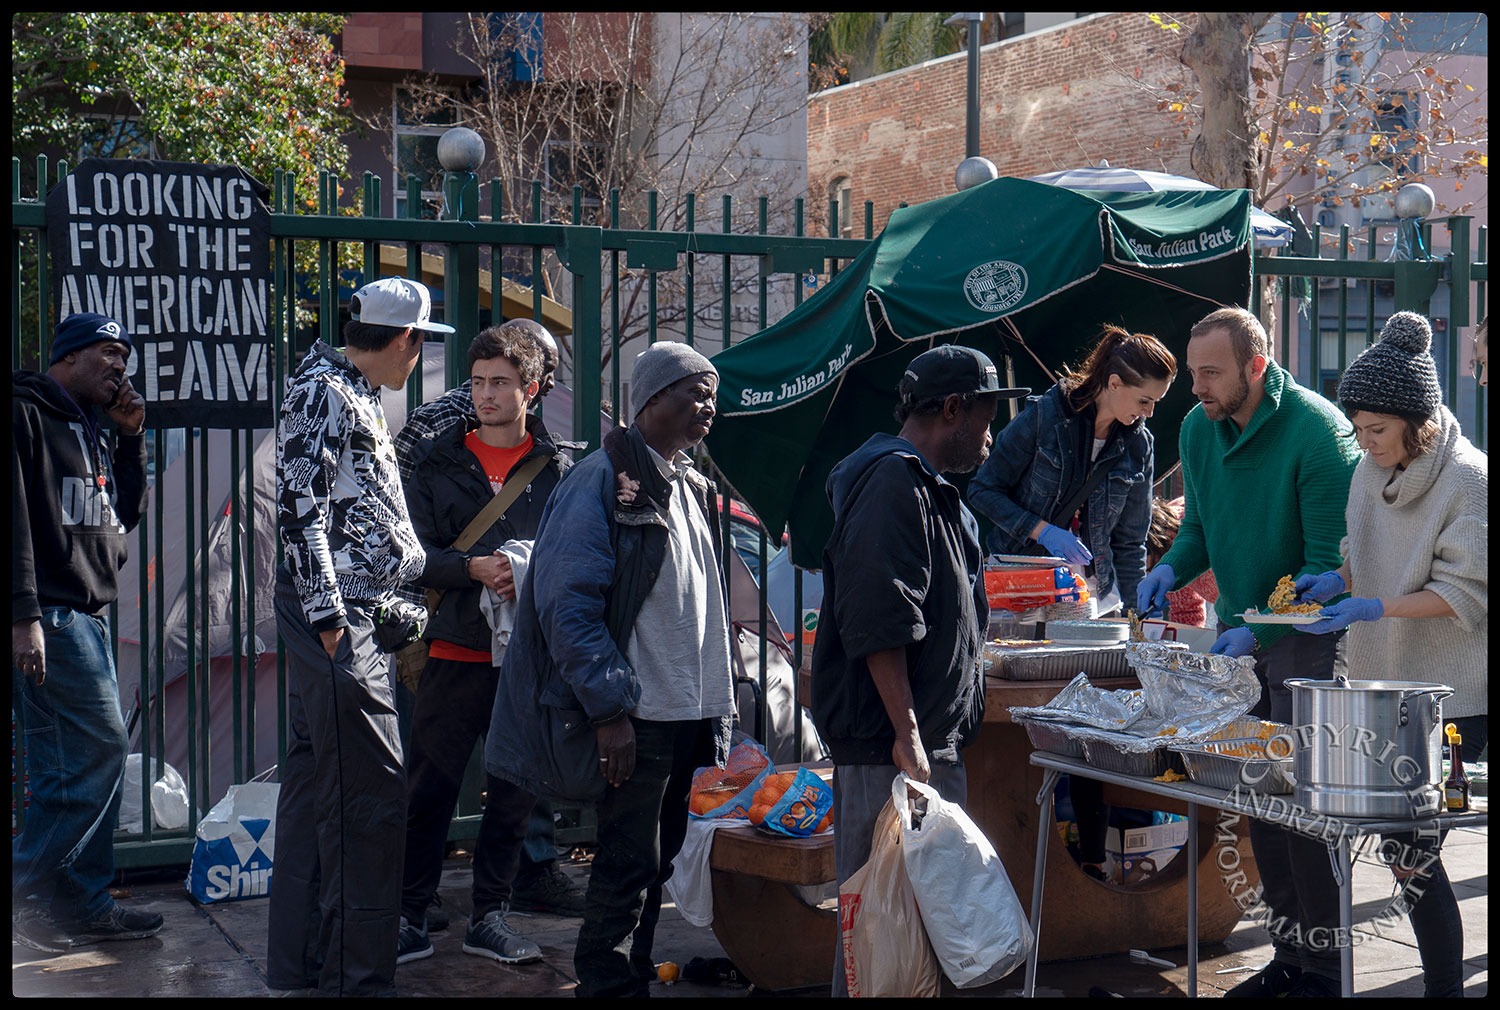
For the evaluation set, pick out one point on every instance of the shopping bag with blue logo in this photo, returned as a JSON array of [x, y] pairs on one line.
[[236, 845]]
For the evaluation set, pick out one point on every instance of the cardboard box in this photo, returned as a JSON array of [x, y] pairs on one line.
[[1138, 854], [1195, 638]]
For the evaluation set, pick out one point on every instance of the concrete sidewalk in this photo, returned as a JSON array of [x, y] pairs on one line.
[[219, 950]]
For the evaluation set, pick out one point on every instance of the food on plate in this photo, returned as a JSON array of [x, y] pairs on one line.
[[1170, 776], [1283, 597]]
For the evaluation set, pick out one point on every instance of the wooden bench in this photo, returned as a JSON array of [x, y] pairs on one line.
[[775, 937]]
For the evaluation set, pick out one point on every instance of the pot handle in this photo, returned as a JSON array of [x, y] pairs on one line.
[[1342, 680], [1438, 692]]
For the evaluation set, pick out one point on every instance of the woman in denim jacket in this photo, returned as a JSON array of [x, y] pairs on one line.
[[1092, 417], [1096, 416]]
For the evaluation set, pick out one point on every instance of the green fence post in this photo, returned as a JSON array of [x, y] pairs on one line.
[[582, 254]]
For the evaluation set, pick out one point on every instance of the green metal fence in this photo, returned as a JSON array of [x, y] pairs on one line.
[[595, 258]]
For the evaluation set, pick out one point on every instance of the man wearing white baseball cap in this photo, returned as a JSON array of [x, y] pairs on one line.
[[349, 543]]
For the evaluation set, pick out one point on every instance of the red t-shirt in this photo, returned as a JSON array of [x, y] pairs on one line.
[[498, 463]]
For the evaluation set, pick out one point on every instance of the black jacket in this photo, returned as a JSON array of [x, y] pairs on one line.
[[68, 532], [447, 489], [902, 568]]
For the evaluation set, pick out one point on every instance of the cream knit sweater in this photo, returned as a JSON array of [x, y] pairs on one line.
[[1424, 528]]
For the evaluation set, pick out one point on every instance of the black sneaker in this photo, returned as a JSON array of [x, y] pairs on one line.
[[116, 923], [495, 938], [32, 927], [412, 943], [550, 891], [1275, 979], [437, 916], [1315, 986]]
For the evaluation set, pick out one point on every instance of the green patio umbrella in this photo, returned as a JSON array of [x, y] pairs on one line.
[[1017, 269]]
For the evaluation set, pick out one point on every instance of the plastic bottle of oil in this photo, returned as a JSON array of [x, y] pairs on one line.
[[1456, 786]]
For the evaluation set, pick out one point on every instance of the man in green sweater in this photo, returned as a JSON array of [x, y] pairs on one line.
[[1266, 469]]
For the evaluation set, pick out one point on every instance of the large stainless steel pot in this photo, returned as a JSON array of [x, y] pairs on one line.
[[1368, 748]]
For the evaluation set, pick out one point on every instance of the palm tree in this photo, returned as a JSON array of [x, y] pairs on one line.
[[857, 44]]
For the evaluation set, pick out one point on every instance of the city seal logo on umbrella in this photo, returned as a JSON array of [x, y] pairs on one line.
[[995, 286]]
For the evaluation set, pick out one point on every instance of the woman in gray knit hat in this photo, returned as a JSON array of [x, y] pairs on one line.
[[1417, 548]]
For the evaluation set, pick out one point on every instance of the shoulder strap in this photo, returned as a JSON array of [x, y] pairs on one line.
[[1070, 508], [506, 497]]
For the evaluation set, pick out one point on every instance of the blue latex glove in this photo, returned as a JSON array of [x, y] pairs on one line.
[[1235, 642], [1320, 588], [1342, 614], [1065, 545], [1151, 594]]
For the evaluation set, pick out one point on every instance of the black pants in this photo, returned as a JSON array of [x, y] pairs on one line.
[[452, 714], [335, 893], [1433, 906], [641, 828], [1296, 874]]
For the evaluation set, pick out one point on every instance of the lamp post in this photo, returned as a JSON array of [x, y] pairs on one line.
[[974, 20]]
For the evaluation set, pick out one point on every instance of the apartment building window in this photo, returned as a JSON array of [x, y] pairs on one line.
[[1396, 119], [417, 121], [1011, 24], [842, 190], [572, 162]]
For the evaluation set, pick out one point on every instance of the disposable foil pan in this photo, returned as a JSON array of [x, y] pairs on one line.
[[1147, 764], [1051, 662], [1208, 765], [1052, 737]]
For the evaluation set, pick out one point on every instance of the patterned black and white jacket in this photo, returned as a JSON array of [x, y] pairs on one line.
[[340, 507]]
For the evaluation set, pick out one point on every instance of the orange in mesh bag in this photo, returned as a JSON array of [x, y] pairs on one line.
[[728, 791]]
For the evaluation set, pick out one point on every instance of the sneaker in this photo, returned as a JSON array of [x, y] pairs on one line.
[[550, 891], [1275, 979], [32, 927], [116, 923], [494, 937], [412, 943], [1316, 986], [437, 916]]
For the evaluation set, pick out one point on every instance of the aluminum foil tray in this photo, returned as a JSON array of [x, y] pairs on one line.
[[1250, 728], [1207, 766], [1052, 662], [1052, 737], [1146, 764]]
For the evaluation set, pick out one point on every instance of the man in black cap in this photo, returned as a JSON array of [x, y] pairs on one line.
[[72, 503], [897, 668]]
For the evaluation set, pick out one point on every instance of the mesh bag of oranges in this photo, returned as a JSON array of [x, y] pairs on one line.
[[797, 803], [727, 791]]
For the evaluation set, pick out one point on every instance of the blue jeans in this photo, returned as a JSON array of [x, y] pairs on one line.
[[75, 756]]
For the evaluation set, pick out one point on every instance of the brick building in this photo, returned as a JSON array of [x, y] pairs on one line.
[[1060, 96]]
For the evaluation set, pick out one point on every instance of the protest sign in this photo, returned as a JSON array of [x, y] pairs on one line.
[[179, 255]]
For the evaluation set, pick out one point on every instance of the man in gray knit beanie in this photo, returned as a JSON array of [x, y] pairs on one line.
[[1396, 375], [662, 364]]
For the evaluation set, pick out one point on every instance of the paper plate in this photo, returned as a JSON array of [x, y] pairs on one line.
[[1253, 618]]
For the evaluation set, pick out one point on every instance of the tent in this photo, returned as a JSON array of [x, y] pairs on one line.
[[1025, 272], [177, 500]]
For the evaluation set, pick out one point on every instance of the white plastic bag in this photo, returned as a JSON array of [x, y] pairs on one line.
[[169, 798], [886, 952], [235, 851], [974, 920]]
